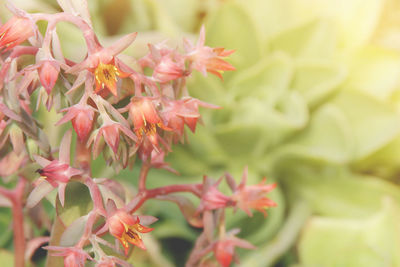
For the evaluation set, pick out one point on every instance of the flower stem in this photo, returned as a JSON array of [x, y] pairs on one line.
[[138, 201], [143, 175], [83, 157], [15, 197]]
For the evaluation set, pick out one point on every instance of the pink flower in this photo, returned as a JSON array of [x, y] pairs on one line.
[[205, 58], [104, 64], [253, 196], [73, 257], [15, 31], [167, 65], [145, 119], [81, 116], [110, 132], [224, 249], [212, 198], [168, 70], [58, 172], [127, 229], [177, 113], [48, 74]]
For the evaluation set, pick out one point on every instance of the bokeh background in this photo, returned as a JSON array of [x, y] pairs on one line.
[[313, 105]]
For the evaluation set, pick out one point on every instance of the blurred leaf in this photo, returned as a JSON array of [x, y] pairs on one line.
[[316, 80], [270, 77], [336, 192], [186, 20], [384, 163], [6, 258], [232, 28], [187, 208], [354, 21], [313, 40], [374, 241], [73, 233], [373, 124], [326, 139], [78, 203], [375, 71]]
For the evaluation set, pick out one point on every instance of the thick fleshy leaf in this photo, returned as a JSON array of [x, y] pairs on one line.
[[38, 193], [373, 124], [231, 27], [255, 126], [74, 207], [313, 40], [187, 208], [359, 242], [316, 80], [74, 232], [270, 77], [336, 192], [326, 138], [375, 71], [187, 20]]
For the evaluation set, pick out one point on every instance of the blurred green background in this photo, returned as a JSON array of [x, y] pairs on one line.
[[313, 105]]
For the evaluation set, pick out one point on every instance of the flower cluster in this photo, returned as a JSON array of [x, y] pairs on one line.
[[122, 111]]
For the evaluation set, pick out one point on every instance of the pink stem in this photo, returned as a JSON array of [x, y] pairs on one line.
[[15, 196], [141, 198], [92, 42], [143, 175], [96, 196], [83, 156], [88, 229]]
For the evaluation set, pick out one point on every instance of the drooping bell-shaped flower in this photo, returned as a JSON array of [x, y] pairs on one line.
[[48, 74], [73, 257], [224, 249], [249, 197], [146, 121], [185, 111], [58, 172], [127, 229], [206, 59], [211, 197], [15, 31], [81, 115]]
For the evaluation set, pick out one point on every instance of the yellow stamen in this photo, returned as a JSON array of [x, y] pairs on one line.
[[106, 76]]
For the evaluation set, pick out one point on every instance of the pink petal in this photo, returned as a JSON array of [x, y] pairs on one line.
[[39, 192], [42, 161], [65, 147], [121, 44]]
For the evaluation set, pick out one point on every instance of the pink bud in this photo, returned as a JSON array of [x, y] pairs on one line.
[[167, 70], [14, 32], [48, 74], [83, 123]]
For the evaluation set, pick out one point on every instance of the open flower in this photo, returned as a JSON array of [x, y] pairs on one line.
[[73, 257], [102, 62], [205, 58], [177, 113], [15, 31], [252, 196], [57, 173], [145, 119], [127, 229], [110, 132], [81, 116], [224, 249], [211, 197]]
